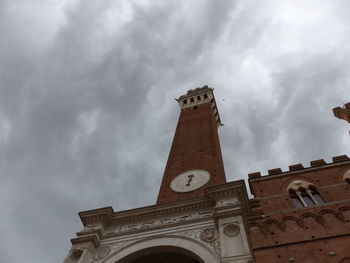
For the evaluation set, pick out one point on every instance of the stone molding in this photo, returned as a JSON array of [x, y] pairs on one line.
[[231, 195]]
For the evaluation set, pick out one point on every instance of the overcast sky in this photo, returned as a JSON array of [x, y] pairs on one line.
[[87, 109]]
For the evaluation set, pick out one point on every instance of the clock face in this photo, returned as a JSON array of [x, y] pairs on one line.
[[190, 180]]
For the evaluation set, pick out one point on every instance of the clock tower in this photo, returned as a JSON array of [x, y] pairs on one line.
[[195, 160]]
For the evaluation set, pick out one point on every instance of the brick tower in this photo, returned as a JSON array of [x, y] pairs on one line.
[[195, 157], [302, 215]]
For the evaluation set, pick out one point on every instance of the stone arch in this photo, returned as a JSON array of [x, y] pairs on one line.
[[276, 222], [171, 243], [338, 215], [298, 184], [291, 218], [318, 219], [344, 208]]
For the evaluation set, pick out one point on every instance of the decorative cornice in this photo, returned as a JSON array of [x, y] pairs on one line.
[[217, 199], [96, 216], [161, 210], [86, 239]]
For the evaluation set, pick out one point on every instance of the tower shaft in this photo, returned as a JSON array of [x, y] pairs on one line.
[[195, 149]]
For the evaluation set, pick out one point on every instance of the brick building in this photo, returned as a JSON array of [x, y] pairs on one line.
[[302, 215]]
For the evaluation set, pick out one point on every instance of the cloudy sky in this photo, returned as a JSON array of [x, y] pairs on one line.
[[87, 109]]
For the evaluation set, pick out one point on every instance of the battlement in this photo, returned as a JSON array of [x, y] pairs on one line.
[[197, 97], [198, 91], [299, 167]]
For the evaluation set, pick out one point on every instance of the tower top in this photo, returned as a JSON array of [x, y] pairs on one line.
[[198, 96]]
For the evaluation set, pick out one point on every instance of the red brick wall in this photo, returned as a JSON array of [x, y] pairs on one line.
[[316, 251]]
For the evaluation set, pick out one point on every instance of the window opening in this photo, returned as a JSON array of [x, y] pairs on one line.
[[306, 197], [192, 99], [198, 97], [296, 200], [205, 96], [316, 196], [185, 101]]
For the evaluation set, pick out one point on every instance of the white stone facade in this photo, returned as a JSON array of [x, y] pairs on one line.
[[210, 229]]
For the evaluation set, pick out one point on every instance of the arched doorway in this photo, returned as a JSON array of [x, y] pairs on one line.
[[163, 254], [164, 247]]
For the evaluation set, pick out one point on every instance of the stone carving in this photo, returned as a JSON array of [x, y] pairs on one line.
[[231, 230], [159, 222], [208, 236], [101, 252]]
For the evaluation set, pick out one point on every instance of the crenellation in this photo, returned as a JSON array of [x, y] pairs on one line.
[[196, 97], [318, 162], [299, 168], [295, 167], [340, 158], [254, 175], [274, 171]]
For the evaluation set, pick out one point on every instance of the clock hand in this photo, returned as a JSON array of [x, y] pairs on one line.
[[189, 179]]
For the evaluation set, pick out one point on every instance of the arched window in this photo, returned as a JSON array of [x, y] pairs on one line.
[[304, 194]]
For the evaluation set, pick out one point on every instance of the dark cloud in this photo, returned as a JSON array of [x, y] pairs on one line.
[[87, 110]]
